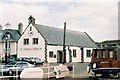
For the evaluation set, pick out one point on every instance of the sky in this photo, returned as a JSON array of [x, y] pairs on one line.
[[99, 18]]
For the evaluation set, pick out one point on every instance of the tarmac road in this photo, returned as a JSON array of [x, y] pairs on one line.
[[78, 73]]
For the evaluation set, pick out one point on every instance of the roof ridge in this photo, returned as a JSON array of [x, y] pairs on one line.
[[49, 26], [68, 30]]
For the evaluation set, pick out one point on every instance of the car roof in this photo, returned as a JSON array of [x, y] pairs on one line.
[[11, 63], [21, 62]]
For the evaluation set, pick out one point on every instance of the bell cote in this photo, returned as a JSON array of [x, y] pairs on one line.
[[31, 20]]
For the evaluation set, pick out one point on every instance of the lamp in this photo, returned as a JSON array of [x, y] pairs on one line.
[[6, 39]]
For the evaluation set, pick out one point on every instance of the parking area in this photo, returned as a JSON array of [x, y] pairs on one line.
[[77, 72], [48, 70]]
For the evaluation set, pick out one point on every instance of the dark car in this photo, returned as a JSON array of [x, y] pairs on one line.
[[14, 68]]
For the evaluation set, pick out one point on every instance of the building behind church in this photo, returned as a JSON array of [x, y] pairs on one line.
[[9, 43]]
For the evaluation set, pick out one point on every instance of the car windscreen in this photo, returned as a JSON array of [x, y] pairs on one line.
[[11, 64]]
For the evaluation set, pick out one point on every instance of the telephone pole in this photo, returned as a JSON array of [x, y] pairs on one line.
[[64, 50]]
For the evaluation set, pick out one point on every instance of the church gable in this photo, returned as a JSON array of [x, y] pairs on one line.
[[31, 43]]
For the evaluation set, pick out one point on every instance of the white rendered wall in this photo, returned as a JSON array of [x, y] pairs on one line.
[[54, 49], [13, 47], [31, 50], [78, 53], [60, 48], [87, 59], [1, 49]]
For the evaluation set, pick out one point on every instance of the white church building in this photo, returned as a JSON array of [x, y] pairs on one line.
[[46, 43]]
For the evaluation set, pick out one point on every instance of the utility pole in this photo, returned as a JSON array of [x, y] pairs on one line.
[[64, 50]]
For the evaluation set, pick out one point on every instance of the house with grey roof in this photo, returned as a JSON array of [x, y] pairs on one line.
[[9, 42], [46, 43], [109, 44]]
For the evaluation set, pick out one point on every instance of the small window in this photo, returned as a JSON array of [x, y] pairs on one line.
[[74, 53], [26, 41], [88, 53], [109, 45], [103, 54], [51, 54], [35, 40], [30, 28], [111, 54], [97, 54], [103, 45], [113, 44]]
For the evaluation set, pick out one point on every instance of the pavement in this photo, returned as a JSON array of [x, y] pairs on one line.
[[78, 71]]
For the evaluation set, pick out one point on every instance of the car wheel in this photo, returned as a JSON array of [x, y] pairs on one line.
[[11, 73], [34, 63], [41, 63], [118, 75]]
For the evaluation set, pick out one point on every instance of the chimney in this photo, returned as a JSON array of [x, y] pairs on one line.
[[7, 25], [31, 20], [20, 28]]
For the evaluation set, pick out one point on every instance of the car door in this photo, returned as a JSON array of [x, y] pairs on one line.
[[18, 66], [24, 65]]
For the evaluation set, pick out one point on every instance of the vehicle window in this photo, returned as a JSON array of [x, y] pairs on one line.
[[111, 54], [24, 64], [103, 54], [11, 63], [30, 58], [18, 65], [37, 59], [96, 54]]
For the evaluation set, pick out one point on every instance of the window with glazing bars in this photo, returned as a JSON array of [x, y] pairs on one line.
[[35, 40], [26, 41]]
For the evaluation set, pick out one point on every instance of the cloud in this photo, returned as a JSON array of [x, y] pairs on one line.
[[98, 19], [15, 13], [64, 0]]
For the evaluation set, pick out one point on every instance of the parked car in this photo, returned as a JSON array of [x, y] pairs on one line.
[[35, 60], [14, 68], [22, 59], [9, 59]]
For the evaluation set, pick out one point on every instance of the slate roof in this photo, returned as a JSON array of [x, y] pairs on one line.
[[73, 38], [14, 34]]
